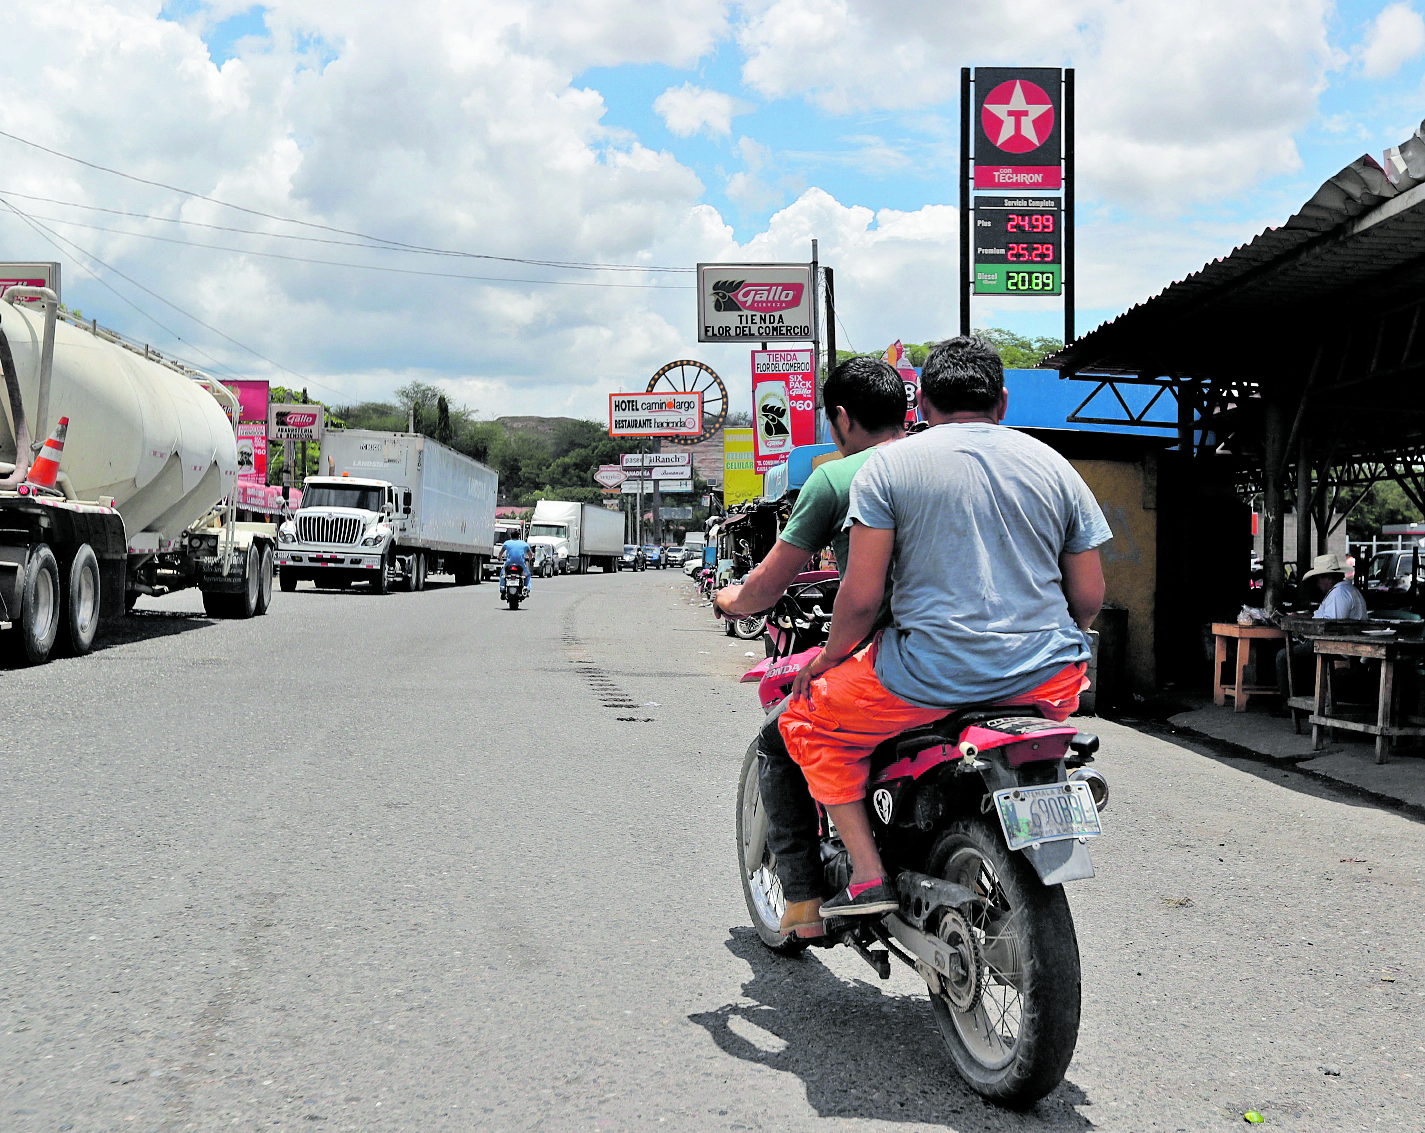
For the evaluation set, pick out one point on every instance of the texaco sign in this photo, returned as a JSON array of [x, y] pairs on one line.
[[754, 302]]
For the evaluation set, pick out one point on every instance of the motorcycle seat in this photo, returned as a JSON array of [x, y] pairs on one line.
[[945, 731]]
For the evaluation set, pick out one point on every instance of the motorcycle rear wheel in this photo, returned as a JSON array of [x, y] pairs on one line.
[[761, 888], [1015, 1042]]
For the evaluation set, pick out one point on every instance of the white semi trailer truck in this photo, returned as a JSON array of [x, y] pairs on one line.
[[580, 535], [141, 504], [391, 508]]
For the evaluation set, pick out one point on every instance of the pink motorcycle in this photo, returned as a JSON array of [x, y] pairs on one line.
[[980, 818]]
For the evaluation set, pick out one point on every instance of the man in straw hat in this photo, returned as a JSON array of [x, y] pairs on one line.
[[1339, 599]]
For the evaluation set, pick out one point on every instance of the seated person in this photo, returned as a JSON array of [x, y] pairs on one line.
[[991, 537], [865, 408], [1325, 580]]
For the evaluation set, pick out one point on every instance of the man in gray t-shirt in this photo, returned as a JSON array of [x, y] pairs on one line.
[[991, 537]]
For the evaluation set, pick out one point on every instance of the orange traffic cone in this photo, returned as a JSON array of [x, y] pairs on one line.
[[46, 466]]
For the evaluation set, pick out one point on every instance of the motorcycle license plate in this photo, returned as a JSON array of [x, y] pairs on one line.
[[1048, 813]]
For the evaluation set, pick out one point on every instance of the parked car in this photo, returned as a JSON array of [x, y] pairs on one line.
[[633, 558], [1388, 579], [676, 556], [693, 562], [546, 562], [654, 554]]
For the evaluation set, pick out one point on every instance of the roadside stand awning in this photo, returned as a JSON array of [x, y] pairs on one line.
[[1295, 361]]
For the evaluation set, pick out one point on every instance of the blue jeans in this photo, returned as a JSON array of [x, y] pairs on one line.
[[793, 825]]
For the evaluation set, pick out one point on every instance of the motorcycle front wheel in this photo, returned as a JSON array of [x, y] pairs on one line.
[[761, 888], [1011, 1030]]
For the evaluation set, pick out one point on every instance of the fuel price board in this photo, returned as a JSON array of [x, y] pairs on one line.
[[1017, 246]]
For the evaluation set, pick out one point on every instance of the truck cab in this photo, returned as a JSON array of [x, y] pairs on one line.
[[555, 536], [344, 531]]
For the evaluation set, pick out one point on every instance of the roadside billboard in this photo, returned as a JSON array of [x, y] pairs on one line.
[[740, 481], [655, 414], [783, 405], [896, 356], [252, 398], [252, 452], [294, 422], [30, 275], [754, 302]]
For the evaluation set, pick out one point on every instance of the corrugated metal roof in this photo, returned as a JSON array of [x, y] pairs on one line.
[[1366, 221]]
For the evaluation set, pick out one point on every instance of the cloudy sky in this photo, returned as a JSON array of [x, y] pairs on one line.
[[649, 134]]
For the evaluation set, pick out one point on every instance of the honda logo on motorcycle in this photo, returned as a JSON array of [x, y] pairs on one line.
[[885, 805]]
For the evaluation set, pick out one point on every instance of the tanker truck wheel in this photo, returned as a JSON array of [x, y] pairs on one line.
[[39, 608], [245, 604], [287, 578], [264, 576], [81, 603]]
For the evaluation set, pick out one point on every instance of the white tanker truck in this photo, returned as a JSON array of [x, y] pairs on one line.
[[138, 505]]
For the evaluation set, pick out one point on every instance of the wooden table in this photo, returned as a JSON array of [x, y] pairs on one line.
[[1386, 650], [1246, 637]]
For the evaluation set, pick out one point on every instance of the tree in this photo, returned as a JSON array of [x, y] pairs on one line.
[[1384, 503], [444, 433]]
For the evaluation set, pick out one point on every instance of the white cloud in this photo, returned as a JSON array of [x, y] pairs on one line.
[[687, 109], [1177, 102], [1395, 35]]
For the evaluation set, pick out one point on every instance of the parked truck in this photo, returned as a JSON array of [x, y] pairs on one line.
[[390, 509], [130, 495], [579, 535]]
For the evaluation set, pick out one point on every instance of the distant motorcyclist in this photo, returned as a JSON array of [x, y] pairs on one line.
[[518, 552]]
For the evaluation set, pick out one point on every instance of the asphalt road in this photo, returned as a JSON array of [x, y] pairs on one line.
[[422, 863]]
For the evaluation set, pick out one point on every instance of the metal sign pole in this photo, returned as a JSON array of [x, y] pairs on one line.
[[1068, 205], [815, 332], [657, 499], [964, 200]]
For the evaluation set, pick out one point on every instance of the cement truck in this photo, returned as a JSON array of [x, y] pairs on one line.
[[141, 501]]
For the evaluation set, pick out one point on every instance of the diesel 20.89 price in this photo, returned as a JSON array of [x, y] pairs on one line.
[[1040, 282]]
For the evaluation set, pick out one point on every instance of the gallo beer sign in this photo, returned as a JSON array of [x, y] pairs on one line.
[[754, 302], [294, 422]]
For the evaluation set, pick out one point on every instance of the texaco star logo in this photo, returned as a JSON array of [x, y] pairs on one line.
[[1017, 116]]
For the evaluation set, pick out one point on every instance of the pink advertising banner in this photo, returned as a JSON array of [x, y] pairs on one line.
[[252, 400], [252, 452], [896, 356], [783, 405]]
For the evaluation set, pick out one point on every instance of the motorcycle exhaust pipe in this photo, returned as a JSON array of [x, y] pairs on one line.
[[1098, 785]]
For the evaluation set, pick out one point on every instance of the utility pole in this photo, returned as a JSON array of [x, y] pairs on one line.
[[657, 498]]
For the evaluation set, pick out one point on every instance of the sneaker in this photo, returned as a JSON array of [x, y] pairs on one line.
[[862, 900]]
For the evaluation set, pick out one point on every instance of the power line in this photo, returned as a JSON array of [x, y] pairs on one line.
[[169, 303], [305, 239], [53, 240], [367, 267], [397, 244]]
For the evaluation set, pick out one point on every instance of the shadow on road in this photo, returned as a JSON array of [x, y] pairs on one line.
[[137, 625], [861, 1053], [145, 625]]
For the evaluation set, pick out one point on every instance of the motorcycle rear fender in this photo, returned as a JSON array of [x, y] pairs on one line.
[[1058, 862]]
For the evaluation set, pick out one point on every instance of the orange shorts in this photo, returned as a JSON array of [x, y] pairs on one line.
[[832, 732]]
